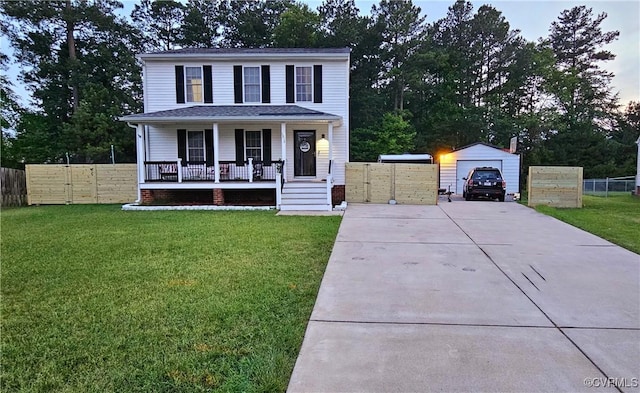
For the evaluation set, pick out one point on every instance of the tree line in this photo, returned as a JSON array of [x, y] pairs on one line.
[[415, 86]]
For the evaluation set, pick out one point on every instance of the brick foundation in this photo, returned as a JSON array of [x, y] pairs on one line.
[[218, 197], [147, 196], [337, 194], [162, 195], [178, 197]]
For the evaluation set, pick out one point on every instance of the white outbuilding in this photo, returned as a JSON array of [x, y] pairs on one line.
[[457, 164]]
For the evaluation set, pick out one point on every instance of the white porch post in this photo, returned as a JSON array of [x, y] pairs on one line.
[[330, 174], [283, 141], [216, 151], [278, 190], [250, 169], [140, 148], [330, 132]]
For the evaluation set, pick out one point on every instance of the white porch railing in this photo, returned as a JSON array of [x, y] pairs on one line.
[[177, 171]]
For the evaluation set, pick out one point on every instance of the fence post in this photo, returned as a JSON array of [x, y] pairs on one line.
[[606, 188]]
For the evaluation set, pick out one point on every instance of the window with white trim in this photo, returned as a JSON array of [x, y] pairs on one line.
[[304, 83], [193, 83], [251, 84], [195, 146], [253, 145]]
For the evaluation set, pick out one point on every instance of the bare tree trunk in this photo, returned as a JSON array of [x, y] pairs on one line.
[[71, 44]]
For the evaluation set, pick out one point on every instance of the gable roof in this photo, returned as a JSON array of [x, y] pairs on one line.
[[253, 50], [481, 143], [210, 113], [253, 53]]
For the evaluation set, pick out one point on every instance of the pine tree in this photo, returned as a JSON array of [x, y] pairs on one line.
[[298, 27], [160, 22], [68, 50], [403, 31], [202, 20], [581, 90]]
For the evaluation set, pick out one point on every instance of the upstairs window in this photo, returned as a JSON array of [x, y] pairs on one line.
[[252, 84], [304, 83], [195, 146], [193, 82]]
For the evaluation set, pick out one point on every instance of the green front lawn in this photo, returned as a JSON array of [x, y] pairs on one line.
[[95, 299], [616, 218]]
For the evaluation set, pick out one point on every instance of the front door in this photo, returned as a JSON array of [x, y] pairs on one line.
[[304, 153]]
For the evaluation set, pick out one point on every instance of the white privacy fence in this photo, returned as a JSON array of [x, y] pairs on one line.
[[609, 185]]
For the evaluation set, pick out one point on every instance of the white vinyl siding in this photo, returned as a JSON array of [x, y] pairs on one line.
[[160, 95], [160, 86], [304, 84], [252, 84], [193, 83]]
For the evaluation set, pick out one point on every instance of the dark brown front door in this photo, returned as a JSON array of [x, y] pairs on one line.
[[304, 153]]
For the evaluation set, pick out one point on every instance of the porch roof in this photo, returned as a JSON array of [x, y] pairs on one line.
[[231, 113]]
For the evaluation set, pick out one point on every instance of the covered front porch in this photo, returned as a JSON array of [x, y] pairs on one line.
[[239, 147]]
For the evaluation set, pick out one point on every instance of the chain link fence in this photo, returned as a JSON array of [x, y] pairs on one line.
[[609, 186]]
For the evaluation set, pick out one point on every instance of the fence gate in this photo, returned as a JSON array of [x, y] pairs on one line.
[[555, 186], [415, 184], [81, 183], [48, 184]]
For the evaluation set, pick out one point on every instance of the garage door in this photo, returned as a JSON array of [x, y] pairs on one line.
[[464, 166]]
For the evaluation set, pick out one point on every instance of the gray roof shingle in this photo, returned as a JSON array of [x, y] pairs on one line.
[[231, 112], [227, 51]]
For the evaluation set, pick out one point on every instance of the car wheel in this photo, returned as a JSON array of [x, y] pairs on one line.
[[467, 197], [501, 198]]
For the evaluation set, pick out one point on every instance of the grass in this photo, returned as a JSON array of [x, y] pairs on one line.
[[96, 299], [616, 218]]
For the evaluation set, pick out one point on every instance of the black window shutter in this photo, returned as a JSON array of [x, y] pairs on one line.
[[237, 84], [239, 146], [208, 84], [317, 83], [208, 143], [266, 146], [291, 86], [180, 84], [266, 84], [182, 145]]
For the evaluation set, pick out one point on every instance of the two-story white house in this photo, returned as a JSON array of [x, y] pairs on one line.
[[244, 126]]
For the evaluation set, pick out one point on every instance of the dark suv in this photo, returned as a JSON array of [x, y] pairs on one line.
[[484, 182]]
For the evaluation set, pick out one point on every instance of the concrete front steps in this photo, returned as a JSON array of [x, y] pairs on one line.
[[305, 195]]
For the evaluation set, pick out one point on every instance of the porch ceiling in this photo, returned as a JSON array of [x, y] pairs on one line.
[[231, 114]]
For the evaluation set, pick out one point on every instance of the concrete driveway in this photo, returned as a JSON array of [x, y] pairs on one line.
[[471, 296]]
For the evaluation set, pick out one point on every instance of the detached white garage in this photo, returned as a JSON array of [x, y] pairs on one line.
[[457, 164]]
